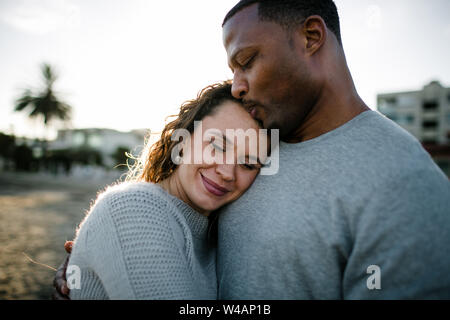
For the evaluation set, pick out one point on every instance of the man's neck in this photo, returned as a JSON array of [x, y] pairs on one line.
[[332, 110]]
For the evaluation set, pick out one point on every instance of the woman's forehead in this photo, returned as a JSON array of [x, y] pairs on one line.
[[230, 115]]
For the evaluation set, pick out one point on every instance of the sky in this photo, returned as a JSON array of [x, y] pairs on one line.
[[128, 64]]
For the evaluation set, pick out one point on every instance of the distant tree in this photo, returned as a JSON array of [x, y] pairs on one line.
[[23, 158], [7, 145], [45, 102], [7, 148]]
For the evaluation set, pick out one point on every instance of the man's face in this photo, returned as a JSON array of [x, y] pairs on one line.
[[270, 71]]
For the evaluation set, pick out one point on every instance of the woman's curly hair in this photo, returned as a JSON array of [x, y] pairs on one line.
[[156, 165]]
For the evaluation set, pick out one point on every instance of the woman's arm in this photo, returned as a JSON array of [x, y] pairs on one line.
[[127, 247], [97, 255]]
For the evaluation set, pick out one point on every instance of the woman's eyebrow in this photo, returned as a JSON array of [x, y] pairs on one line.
[[247, 157], [226, 140]]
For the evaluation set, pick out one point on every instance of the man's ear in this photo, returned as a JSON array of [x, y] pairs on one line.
[[315, 33]]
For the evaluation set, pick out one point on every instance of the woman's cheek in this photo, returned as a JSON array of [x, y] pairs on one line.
[[246, 178]]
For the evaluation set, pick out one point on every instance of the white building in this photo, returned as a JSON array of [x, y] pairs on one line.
[[426, 115], [106, 141]]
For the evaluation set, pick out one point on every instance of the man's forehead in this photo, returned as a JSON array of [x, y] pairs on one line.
[[241, 21]]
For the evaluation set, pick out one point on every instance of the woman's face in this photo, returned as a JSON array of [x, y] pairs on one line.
[[227, 166]]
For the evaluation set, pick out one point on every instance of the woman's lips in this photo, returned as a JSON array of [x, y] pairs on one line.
[[213, 187]]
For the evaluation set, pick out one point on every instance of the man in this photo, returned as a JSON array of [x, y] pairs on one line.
[[358, 210]]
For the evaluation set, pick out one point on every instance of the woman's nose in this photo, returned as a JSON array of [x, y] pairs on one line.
[[226, 171]]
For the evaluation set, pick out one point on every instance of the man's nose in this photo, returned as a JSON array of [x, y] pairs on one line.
[[239, 87], [226, 171]]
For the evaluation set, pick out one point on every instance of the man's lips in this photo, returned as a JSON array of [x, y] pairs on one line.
[[254, 114], [213, 187], [250, 107], [252, 110]]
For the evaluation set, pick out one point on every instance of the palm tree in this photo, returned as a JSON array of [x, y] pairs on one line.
[[44, 103]]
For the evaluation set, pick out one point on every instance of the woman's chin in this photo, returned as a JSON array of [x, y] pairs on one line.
[[209, 207], [207, 204], [207, 201]]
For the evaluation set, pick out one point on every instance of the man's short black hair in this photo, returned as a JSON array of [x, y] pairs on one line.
[[290, 13]]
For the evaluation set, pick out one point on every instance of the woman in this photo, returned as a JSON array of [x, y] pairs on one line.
[[147, 239]]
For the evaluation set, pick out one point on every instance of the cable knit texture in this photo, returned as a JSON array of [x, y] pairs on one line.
[[139, 242]]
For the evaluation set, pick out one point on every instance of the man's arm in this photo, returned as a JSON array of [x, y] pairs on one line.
[[404, 230]]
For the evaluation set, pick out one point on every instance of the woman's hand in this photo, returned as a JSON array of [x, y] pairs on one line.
[[60, 282]]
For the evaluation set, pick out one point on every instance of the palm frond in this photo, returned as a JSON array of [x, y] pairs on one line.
[[24, 100], [45, 103], [48, 74]]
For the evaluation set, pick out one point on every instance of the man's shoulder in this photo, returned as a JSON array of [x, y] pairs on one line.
[[370, 151], [368, 134], [372, 129], [385, 144]]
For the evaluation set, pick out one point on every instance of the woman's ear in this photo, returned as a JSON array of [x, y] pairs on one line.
[[315, 33]]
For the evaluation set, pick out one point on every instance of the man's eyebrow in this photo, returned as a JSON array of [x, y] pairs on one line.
[[237, 52], [232, 60]]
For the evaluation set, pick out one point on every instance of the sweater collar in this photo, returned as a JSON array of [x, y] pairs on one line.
[[197, 222]]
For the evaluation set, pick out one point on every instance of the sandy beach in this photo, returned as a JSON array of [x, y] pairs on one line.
[[38, 213]]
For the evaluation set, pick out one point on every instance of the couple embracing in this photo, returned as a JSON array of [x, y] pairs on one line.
[[353, 192]]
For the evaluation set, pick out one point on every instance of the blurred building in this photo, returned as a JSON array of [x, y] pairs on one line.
[[426, 115], [106, 141]]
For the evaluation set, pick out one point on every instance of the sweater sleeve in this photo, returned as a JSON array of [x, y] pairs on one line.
[[98, 255], [129, 244], [403, 231]]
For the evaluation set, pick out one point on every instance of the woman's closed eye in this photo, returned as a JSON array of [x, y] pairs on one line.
[[249, 165]]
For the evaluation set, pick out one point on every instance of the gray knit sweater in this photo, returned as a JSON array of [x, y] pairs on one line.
[[139, 242]]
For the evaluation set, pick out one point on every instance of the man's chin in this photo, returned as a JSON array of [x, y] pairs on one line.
[[283, 134], [272, 126]]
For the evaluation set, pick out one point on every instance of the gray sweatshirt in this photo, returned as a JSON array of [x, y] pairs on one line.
[[139, 242], [361, 212]]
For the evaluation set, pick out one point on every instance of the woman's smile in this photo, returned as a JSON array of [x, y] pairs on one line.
[[213, 187]]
